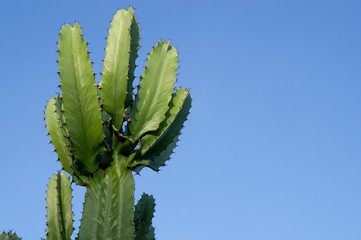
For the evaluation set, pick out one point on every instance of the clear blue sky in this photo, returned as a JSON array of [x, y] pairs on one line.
[[272, 149]]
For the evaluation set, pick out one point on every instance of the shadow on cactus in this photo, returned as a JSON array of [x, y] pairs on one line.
[[101, 133]]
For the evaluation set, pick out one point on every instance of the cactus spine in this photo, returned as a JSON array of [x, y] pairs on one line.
[[103, 132]]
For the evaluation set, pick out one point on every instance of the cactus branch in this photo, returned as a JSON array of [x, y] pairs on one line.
[[155, 90], [143, 216], [80, 101], [59, 213], [134, 47], [114, 83], [156, 156], [175, 107], [57, 131]]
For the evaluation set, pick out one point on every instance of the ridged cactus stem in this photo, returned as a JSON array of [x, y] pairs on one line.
[[60, 215], [109, 202]]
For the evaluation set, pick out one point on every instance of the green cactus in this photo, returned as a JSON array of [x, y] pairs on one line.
[[143, 215], [60, 215], [9, 236], [102, 133]]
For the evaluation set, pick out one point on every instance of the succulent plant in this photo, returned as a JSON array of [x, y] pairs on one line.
[[9, 236], [102, 133]]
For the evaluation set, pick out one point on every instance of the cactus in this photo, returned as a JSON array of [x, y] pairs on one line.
[[103, 133], [9, 236], [60, 215], [143, 216]]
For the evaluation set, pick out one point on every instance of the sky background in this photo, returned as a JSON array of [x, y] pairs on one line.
[[272, 146]]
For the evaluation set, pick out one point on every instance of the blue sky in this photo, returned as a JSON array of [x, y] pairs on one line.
[[272, 147]]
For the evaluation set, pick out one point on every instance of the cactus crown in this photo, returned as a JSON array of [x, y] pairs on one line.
[[89, 124]]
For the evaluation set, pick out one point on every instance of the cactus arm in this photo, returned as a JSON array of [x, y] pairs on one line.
[[57, 132], [154, 91], [116, 65], [9, 236], [143, 216], [161, 150], [134, 47], [82, 112], [174, 108], [109, 203], [59, 213]]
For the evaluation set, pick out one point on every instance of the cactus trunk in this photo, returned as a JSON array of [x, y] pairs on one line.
[[109, 203]]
